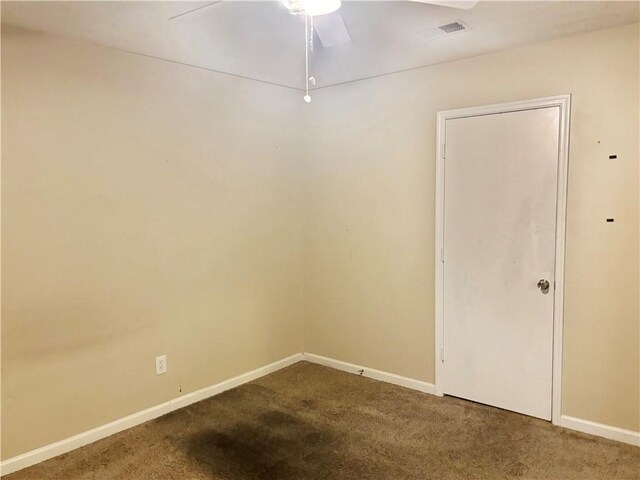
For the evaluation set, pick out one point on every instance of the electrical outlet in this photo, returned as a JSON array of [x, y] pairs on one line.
[[161, 364]]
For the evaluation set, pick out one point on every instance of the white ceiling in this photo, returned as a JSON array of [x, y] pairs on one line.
[[260, 40]]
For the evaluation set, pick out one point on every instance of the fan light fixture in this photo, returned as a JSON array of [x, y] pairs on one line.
[[312, 8]]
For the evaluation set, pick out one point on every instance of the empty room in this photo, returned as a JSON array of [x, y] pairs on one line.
[[320, 239]]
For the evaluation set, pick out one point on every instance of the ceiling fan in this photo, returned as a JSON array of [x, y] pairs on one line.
[[329, 24], [322, 7]]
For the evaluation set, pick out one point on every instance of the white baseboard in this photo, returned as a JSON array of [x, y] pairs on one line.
[[371, 373], [601, 430], [63, 446], [585, 426]]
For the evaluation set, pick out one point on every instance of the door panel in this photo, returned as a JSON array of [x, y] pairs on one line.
[[499, 238]]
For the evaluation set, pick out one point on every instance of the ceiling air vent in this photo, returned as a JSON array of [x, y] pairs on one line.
[[443, 31], [452, 27]]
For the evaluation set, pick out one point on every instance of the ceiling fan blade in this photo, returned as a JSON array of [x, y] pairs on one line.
[[464, 4], [196, 9], [331, 29]]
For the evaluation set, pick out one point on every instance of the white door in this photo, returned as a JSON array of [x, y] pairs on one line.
[[500, 194]]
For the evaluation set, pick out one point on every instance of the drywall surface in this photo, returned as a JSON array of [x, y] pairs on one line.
[[369, 227], [148, 209]]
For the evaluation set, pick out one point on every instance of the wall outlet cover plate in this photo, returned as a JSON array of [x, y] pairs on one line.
[[161, 364]]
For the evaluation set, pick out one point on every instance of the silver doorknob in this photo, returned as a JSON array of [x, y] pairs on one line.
[[543, 285]]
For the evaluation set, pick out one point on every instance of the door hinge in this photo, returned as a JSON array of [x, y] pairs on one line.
[[442, 255], [444, 151], [442, 354]]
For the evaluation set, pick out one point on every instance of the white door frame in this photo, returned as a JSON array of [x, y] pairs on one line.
[[564, 104]]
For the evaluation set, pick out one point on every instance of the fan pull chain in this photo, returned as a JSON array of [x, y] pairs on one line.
[[308, 46], [312, 79]]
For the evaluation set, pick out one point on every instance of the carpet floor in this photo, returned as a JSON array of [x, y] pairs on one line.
[[311, 422]]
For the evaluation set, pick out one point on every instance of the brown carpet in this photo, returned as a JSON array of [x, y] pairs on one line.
[[312, 422]]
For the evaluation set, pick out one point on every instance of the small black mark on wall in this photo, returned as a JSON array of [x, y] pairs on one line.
[[609, 220], [613, 157]]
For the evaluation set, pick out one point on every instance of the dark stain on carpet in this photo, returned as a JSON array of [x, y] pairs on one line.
[[277, 445]]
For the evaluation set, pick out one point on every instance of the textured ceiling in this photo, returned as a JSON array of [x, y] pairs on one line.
[[260, 40]]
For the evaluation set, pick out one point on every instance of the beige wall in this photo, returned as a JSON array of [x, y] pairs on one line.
[[152, 208], [148, 208], [369, 230]]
